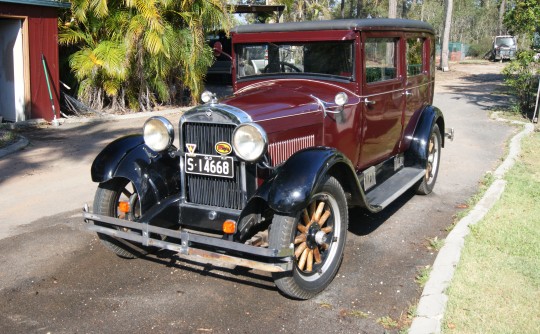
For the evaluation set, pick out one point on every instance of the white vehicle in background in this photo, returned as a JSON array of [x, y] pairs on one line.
[[504, 47]]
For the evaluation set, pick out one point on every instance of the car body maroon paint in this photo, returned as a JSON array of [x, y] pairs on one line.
[[325, 116]]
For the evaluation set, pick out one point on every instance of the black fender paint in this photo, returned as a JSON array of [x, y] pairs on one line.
[[154, 175], [416, 155], [293, 184]]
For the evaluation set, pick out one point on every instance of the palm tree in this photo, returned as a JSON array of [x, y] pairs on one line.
[[136, 51]]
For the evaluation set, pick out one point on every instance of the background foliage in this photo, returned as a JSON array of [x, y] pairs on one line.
[[135, 54]]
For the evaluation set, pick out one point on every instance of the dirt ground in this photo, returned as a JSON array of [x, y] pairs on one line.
[[476, 72]]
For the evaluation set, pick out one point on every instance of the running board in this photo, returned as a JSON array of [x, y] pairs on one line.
[[395, 186]]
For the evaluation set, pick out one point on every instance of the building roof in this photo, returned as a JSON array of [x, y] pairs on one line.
[[346, 24], [43, 3]]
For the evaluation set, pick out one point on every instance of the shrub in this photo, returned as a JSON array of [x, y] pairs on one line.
[[521, 76]]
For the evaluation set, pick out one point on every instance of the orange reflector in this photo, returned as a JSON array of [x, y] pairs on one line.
[[229, 227], [123, 207]]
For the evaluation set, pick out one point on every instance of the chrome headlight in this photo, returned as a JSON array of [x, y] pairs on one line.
[[158, 133], [249, 142]]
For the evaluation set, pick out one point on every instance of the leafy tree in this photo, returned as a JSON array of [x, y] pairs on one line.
[[134, 53], [522, 74], [523, 17]]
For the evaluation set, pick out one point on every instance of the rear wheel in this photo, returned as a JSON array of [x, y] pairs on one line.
[[118, 198], [432, 164], [318, 234]]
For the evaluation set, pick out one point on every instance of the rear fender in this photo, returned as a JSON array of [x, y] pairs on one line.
[[154, 175], [416, 155]]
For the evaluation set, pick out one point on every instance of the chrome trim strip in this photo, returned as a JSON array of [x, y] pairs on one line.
[[210, 113], [396, 90], [302, 114]]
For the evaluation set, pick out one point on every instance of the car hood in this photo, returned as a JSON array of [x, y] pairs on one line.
[[280, 98]]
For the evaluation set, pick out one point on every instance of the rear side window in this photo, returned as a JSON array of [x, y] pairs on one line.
[[380, 58], [415, 56]]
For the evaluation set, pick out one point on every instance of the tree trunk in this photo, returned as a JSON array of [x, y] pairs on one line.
[[446, 36], [359, 8], [342, 9], [502, 10], [392, 9]]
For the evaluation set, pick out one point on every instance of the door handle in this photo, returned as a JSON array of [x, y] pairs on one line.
[[407, 93], [368, 102]]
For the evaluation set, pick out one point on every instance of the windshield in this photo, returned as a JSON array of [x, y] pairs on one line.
[[332, 59], [504, 41]]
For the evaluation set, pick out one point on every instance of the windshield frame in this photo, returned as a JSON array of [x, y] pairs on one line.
[[297, 37], [292, 58]]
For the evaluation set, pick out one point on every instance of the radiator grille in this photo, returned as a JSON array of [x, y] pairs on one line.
[[206, 135], [208, 190], [281, 151]]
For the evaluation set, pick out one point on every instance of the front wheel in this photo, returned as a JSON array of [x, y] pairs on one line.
[[432, 164], [118, 198], [318, 234]]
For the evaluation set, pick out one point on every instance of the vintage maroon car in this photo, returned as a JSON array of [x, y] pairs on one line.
[[325, 116]]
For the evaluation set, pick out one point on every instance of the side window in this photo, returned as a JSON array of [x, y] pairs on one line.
[[415, 48], [380, 58]]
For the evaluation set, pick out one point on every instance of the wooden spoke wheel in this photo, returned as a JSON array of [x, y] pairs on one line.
[[432, 162], [318, 234]]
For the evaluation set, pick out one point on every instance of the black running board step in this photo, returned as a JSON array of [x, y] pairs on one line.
[[395, 186]]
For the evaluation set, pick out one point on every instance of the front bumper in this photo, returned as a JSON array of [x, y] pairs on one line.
[[505, 54], [190, 244]]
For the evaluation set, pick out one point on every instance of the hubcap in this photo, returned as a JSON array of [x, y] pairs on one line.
[[313, 230]]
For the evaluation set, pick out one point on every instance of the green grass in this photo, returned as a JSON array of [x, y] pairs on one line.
[[496, 288], [6, 137], [423, 275]]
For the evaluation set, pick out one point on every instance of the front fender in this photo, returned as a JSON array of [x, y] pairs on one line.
[[416, 155], [154, 175], [294, 182]]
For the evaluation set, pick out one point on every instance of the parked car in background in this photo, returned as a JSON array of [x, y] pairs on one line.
[[504, 47], [325, 116]]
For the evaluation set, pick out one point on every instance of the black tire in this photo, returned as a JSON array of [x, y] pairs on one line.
[[106, 202], [325, 236], [433, 148]]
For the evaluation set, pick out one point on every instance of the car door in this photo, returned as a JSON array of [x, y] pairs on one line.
[[382, 97], [418, 83]]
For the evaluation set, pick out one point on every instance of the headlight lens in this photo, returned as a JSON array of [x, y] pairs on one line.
[[249, 142], [158, 133]]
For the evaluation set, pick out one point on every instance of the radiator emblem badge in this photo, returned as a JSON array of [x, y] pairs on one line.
[[191, 148], [223, 148]]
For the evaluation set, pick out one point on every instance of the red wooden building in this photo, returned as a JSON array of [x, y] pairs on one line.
[[28, 31]]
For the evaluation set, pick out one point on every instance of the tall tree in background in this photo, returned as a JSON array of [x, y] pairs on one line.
[[392, 9], [136, 53], [446, 36], [502, 10]]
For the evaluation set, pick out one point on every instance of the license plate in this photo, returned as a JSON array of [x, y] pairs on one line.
[[211, 165]]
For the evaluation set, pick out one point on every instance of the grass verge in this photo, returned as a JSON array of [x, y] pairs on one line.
[[6, 137], [496, 287]]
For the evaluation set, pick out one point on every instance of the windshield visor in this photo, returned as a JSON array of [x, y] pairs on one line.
[[330, 59]]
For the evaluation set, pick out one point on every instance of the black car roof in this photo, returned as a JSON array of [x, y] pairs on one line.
[[344, 24]]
